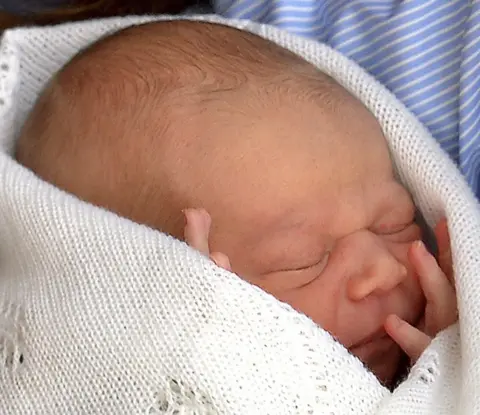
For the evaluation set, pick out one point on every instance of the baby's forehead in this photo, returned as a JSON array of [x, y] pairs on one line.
[[134, 88]]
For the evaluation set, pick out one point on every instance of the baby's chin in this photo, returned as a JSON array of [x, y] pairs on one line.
[[384, 359]]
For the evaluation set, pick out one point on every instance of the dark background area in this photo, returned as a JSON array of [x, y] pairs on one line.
[[44, 12], [28, 6], [35, 6]]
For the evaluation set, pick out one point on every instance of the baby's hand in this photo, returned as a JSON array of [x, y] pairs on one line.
[[196, 233], [436, 280]]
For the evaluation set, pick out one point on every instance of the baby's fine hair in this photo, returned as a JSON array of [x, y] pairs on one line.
[[126, 115]]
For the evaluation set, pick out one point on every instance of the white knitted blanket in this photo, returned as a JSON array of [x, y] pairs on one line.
[[99, 315]]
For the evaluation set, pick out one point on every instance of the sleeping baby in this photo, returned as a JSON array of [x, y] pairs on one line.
[[164, 122]]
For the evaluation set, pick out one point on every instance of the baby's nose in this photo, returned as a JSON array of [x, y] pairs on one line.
[[378, 278]]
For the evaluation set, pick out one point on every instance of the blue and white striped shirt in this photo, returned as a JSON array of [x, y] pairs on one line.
[[427, 52]]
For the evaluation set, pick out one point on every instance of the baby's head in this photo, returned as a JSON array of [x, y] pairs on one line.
[[294, 171]]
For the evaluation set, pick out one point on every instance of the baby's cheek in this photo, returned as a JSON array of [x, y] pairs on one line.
[[320, 300]]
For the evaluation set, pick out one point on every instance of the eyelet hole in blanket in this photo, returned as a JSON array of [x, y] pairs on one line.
[[12, 330], [429, 372], [177, 398], [426, 379]]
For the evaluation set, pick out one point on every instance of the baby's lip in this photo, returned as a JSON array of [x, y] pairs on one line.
[[377, 335]]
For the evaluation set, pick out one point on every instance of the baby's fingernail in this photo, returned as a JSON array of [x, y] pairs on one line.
[[185, 216], [394, 321], [421, 247]]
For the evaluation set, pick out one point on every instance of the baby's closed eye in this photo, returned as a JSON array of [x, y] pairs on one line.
[[314, 270], [400, 233], [301, 275]]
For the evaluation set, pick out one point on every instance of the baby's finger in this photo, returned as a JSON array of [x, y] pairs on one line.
[[444, 250], [221, 260], [197, 229], [439, 293], [411, 340]]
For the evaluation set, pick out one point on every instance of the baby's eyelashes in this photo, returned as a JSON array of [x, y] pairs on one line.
[[320, 265], [315, 270], [298, 277]]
